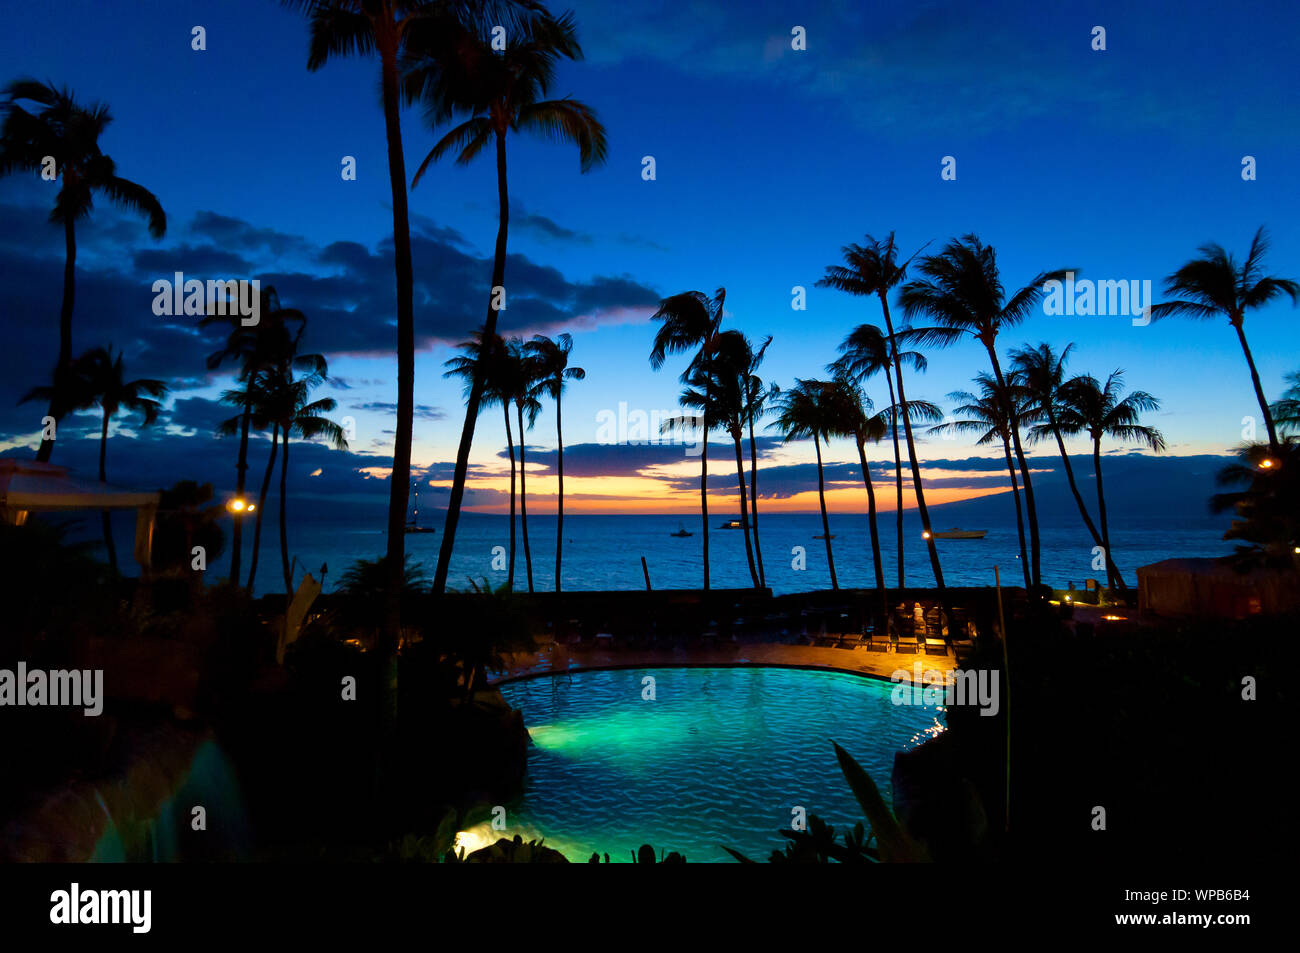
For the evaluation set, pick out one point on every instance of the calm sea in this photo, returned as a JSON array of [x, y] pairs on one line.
[[604, 552]]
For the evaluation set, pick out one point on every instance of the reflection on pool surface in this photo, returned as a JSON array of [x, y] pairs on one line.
[[719, 756]]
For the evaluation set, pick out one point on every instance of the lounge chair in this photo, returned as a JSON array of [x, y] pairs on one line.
[[936, 647], [907, 644], [878, 642]]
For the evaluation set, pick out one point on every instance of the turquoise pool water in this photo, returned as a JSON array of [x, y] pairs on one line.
[[719, 756]]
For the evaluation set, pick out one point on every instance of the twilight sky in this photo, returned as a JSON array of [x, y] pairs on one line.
[[1117, 163]]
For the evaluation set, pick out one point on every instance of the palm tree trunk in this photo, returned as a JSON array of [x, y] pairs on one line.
[[1101, 495], [64, 365], [875, 533], [704, 500], [476, 386], [744, 508], [753, 501], [523, 499], [103, 478], [241, 468], [898, 478], [399, 480], [1112, 571], [261, 506], [1020, 516], [510, 445], [1035, 547], [284, 530], [559, 512], [1259, 389], [911, 452], [826, 523]]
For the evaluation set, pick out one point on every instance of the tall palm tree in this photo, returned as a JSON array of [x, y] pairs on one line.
[[1286, 412], [520, 379], [497, 389], [807, 410], [1214, 284], [985, 415], [729, 381], [69, 133], [962, 291], [872, 269], [1099, 411], [865, 352], [296, 415], [756, 397], [691, 321], [258, 394], [851, 419], [1042, 374], [553, 371], [99, 380], [266, 345], [458, 73]]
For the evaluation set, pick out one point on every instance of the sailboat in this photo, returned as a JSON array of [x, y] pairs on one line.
[[682, 531], [414, 526]]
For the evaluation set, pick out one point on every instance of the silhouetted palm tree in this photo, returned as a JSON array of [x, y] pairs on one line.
[[691, 321], [99, 380], [756, 397], [267, 345], [68, 133], [520, 371], [962, 291], [872, 269], [865, 352], [850, 406], [458, 73], [1099, 411], [1286, 412], [553, 371], [1215, 284], [497, 389], [1042, 374], [297, 416], [807, 410], [985, 414]]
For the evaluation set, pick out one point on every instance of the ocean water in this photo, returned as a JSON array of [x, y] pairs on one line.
[[719, 756], [604, 552]]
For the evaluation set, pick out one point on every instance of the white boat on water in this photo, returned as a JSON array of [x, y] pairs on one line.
[[956, 533]]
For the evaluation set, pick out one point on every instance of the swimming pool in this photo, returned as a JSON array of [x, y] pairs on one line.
[[716, 756]]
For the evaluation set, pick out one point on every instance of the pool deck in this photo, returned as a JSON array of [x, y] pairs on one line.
[[555, 659]]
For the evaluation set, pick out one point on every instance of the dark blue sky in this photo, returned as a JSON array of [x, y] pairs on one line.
[[1119, 163]]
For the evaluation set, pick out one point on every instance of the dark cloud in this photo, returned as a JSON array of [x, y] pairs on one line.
[[422, 411]]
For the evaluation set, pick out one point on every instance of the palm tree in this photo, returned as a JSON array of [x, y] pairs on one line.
[[268, 344], [100, 381], [756, 397], [68, 133], [808, 410], [728, 385], [553, 370], [1042, 374], [296, 415], [1286, 412], [985, 414], [458, 73], [496, 390], [259, 396], [1214, 285], [872, 269], [963, 292], [521, 378], [866, 351], [1100, 411], [691, 321], [851, 419]]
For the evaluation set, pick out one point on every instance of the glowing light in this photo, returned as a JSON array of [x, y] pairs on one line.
[[1268, 463], [237, 505], [317, 472], [925, 534], [476, 838], [1114, 618], [1068, 599]]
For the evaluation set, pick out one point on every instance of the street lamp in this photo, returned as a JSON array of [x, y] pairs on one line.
[[925, 534], [237, 506]]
